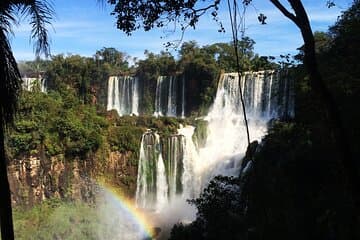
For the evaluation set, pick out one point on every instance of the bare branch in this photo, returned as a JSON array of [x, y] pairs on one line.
[[284, 11]]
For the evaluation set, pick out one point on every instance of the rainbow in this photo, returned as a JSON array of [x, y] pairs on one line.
[[128, 205]]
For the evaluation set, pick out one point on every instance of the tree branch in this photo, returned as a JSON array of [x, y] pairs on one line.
[[284, 11]]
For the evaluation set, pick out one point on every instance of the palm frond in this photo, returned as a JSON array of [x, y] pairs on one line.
[[7, 18], [41, 13], [9, 81]]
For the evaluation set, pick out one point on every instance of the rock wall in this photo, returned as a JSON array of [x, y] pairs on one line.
[[120, 172], [33, 179]]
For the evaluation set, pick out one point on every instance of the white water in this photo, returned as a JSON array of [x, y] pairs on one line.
[[161, 184], [158, 103], [151, 188], [183, 97], [123, 95], [227, 140], [190, 180], [188, 169], [167, 101], [28, 84], [171, 108]]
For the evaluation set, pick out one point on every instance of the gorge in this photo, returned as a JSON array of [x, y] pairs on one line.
[[168, 167]]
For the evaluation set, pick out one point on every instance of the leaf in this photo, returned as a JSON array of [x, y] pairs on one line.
[[262, 18]]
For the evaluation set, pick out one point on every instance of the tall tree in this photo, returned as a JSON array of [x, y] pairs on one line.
[[39, 14]]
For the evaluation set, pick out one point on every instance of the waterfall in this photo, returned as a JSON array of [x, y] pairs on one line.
[[135, 97], [158, 100], [227, 141], [123, 95], [174, 164], [43, 87], [167, 100], [116, 99], [183, 97], [161, 183], [189, 168], [28, 84], [172, 100], [151, 189], [268, 108], [110, 94], [189, 180]]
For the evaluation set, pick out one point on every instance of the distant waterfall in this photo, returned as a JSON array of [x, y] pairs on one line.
[[188, 169], [123, 95], [172, 106], [168, 102], [29, 84], [159, 103], [43, 87], [266, 95], [183, 97]]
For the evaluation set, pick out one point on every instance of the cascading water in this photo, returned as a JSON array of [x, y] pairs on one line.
[[183, 97], [43, 87], [151, 189], [189, 180], [29, 84], [174, 160], [167, 101], [123, 95], [158, 100], [227, 141], [188, 168], [171, 104]]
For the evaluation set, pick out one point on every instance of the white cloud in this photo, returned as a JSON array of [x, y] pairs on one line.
[[84, 28]]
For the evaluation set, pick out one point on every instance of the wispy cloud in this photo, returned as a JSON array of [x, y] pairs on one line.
[[83, 27]]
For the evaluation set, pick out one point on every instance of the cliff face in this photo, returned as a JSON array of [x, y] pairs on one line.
[[121, 172], [34, 179]]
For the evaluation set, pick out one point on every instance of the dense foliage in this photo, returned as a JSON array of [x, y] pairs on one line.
[[55, 124]]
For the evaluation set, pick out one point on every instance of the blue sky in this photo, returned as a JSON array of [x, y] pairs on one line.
[[84, 26]]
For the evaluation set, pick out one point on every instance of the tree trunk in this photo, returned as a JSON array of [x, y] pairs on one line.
[[7, 230]]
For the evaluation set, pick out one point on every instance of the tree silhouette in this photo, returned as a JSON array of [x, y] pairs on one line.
[[39, 14], [301, 20]]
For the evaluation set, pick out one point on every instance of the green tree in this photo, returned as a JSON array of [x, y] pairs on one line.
[[85, 75], [201, 73], [39, 13], [116, 59]]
